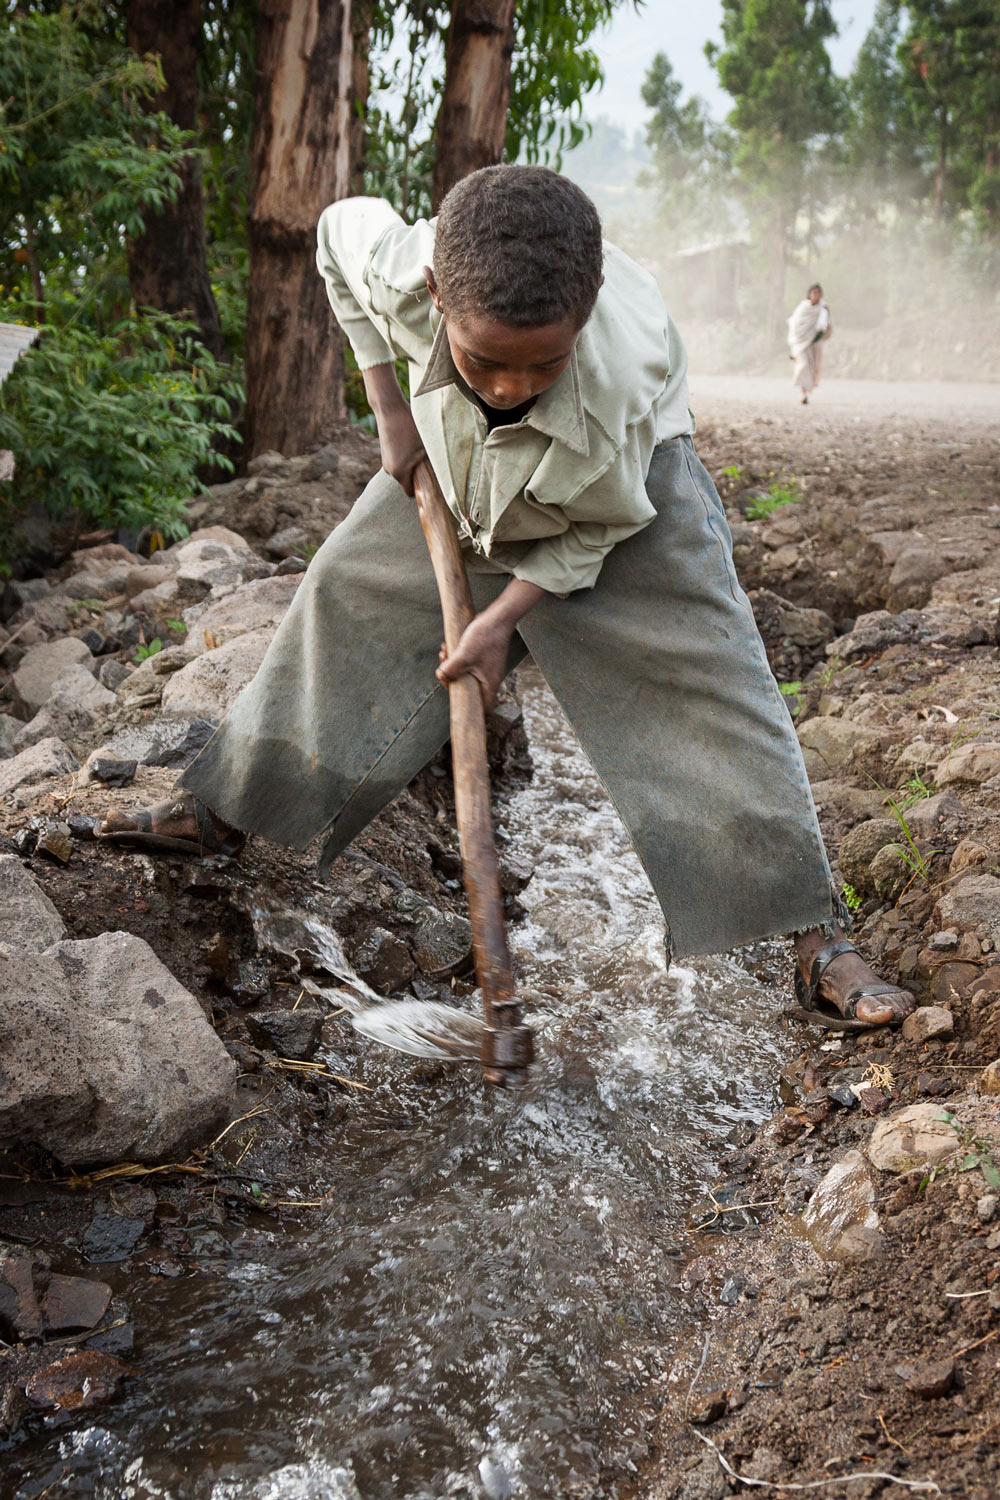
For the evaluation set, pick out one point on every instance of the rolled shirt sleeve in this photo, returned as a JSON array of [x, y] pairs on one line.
[[347, 236], [573, 560]]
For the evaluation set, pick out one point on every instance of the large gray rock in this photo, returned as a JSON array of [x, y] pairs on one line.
[[207, 686], [917, 569], [75, 709], [829, 744], [40, 667], [49, 758], [971, 906], [10, 728], [207, 563], [30, 923], [166, 742], [877, 631], [260, 605], [106, 1056], [942, 813]]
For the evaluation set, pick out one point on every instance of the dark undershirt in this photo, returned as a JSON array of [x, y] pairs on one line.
[[507, 418]]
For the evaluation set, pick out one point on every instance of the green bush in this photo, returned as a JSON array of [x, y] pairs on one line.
[[762, 506], [114, 425]]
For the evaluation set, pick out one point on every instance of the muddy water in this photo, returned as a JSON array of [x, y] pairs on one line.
[[494, 1290]]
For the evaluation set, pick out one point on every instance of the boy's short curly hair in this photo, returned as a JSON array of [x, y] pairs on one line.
[[520, 244]]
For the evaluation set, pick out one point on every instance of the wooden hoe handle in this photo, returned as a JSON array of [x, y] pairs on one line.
[[507, 1047]]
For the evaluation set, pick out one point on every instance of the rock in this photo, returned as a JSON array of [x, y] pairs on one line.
[[914, 573], [289, 566], [270, 462], [951, 981], [986, 1207], [794, 637], [859, 847], [138, 580], [207, 686], [318, 465], [30, 921], [970, 854], [10, 728], [384, 962], [74, 708], [975, 762], [707, 1406], [443, 944], [49, 758], [829, 744], [111, 771], [257, 606], [929, 1379], [943, 941], [928, 1021], [973, 905], [111, 674], [111, 1237], [289, 1033], [40, 667], [890, 873], [292, 541], [840, 1219], [55, 843], [875, 632], [988, 1081], [76, 1382], [204, 564], [912, 1137], [72, 1303], [20, 1312], [933, 815], [106, 1056], [918, 755], [172, 742]]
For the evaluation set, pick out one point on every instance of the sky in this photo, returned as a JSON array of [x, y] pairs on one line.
[[680, 28]]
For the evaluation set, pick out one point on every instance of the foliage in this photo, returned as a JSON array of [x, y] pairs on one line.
[[80, 160], [553, 69], [691, 156], [852, 898], [153, 648], [114, 425], [762, 506]]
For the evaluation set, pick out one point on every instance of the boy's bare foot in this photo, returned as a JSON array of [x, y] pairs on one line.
[[182, 824], [836, 988]]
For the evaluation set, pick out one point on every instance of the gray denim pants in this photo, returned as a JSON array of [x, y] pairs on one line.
[[659, 669]]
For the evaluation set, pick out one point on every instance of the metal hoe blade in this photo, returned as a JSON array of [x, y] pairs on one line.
[[423, 1028]]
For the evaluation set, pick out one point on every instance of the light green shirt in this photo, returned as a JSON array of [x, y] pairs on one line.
[[547, 497]]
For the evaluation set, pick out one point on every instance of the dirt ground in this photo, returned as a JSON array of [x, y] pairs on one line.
[[886, 1365]]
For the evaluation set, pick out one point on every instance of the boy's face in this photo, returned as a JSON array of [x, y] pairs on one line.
[[815, 295], [505, 365]]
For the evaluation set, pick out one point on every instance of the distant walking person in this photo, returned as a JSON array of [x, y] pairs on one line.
[[808, 326]]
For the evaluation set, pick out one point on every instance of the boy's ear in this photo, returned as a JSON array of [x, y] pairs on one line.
[[432, 288]]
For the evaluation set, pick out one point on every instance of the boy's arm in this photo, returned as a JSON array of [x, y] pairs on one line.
[[346, 236], [401, 444]]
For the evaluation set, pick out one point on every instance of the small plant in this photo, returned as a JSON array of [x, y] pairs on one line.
[[978, 1151], [915, 790], [908, 852], [852, 899], [830, 671], [794, 691], [95, 606], [145, 650], [177, 626], [762, 506]]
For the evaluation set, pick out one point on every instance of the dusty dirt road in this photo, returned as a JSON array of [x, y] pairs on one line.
[[908, 400]]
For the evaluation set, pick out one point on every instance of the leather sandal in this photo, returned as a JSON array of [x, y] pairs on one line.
[[207, 841], [812, 1007]]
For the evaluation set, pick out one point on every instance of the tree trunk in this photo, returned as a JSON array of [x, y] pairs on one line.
[[472, 121], [167, 265], [307, 140]]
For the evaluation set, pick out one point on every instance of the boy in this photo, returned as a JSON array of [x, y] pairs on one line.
[[808, 326], [549, 392]]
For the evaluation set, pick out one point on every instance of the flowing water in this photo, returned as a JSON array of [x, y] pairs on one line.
[[495, 1289]]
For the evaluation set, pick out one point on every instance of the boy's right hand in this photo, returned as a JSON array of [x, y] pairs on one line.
[[401, 444]]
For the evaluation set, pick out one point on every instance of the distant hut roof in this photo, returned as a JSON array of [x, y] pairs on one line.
[[14, 339]]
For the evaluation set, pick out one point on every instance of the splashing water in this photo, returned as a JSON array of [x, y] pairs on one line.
[[494, 1292]]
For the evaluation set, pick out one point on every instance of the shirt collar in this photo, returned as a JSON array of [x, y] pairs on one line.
[[558, 412]]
